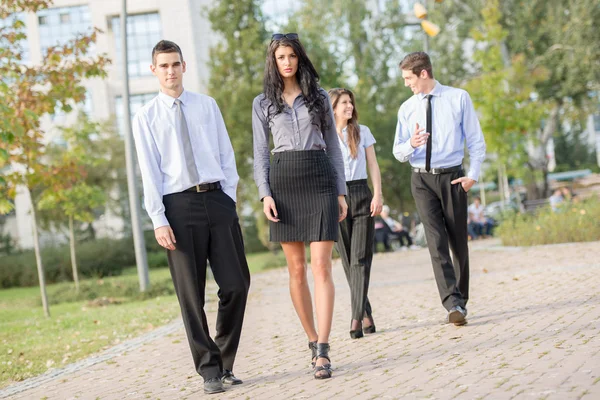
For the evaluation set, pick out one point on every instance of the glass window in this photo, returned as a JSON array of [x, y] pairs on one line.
[[59, 25], [23, 44], [597, 123], [143, 32], [136, 102]]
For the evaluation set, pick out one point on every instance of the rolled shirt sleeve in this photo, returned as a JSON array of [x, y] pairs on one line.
[[473, 136], [402, 148]]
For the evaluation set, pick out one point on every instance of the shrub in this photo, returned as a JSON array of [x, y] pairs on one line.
[[98, 258], [157, 259], [573, 222]]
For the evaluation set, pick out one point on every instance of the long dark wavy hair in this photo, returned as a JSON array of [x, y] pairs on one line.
[[353, 128], [307, 78]]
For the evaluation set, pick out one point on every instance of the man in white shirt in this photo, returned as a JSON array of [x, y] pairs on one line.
[[433, 127], [190, 180]]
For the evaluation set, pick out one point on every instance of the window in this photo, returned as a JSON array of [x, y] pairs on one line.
[[136, 102], [60, 25], [23, 44], [597, 123], [143, 32]]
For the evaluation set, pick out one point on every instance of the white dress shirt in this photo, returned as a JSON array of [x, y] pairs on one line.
[[160, 153], [356, 168], [454, 122]]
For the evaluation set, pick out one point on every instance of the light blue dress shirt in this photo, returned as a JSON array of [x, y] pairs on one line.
[[160, 153], [454, 123], [356, 168]]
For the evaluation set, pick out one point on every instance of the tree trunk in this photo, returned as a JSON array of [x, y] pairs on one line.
[[40, 267], [73, 258]]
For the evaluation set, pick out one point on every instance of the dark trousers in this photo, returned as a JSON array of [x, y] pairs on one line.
[[443, 211], [403, 238], [206, 227], [355, 245]]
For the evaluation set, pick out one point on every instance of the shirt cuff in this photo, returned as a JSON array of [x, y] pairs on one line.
[[159, 220], [264, 190], [404, 151]]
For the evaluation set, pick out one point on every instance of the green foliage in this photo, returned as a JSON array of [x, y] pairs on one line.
[[119, 289], [503, 94], [99, 258], [354, 47], [237, 64], [573, 222]]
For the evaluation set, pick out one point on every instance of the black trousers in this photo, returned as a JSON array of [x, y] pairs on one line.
[[355, 245], [206, 227], [443, 211]]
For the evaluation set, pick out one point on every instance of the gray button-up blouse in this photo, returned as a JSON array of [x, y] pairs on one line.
[[293, 130]]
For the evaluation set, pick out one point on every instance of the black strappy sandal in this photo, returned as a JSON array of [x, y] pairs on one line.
[[323, 352], [313, 348]]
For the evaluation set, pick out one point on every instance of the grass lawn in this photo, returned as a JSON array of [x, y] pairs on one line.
[[83, 324]]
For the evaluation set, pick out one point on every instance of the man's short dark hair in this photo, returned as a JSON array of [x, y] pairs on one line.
[[417, 62], [165, 46]]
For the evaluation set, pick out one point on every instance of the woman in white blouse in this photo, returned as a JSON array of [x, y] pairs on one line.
[[356, 232]]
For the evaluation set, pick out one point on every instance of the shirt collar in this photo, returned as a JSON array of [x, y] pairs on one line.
[[169, 101], [435, 92]]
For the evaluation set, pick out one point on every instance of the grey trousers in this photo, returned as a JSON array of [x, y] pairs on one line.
[[355, 245]]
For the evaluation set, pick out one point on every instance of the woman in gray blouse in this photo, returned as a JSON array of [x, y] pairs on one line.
[[303, 186], [355, 243]]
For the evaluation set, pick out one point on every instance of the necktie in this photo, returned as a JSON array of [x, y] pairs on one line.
[[429, 127], [188, 153]]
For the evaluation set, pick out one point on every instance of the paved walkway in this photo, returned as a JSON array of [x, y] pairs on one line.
[[533, 333]]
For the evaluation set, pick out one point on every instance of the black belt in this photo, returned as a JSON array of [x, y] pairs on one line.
[[204, 187], [356, 182], [437, 171]]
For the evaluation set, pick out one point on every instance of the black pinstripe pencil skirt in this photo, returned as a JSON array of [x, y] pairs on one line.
[[303, 185]]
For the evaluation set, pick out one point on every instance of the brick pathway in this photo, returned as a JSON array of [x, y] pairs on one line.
[[533, 333]]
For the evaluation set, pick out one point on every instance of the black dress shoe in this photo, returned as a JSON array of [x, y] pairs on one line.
[[457, 316], [230, 379], [213, 385]]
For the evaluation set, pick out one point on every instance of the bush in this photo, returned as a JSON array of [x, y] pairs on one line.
[[98, 258], [573, 222], [118, 289], [158, 259]]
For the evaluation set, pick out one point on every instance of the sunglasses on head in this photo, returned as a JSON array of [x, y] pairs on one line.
[[279, 36]]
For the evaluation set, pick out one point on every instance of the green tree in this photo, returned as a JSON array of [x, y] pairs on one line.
[[67, 191], [236, 72], [503, 95], [30, 91], [552, 35], [355, 46]]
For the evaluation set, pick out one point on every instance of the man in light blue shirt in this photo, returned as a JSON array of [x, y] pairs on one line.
[[433, 127], [190, 179]]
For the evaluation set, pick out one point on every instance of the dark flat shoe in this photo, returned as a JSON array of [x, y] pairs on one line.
[[213, 385]]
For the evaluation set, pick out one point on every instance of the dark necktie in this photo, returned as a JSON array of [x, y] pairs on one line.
[[188, 153], [429, 127]]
